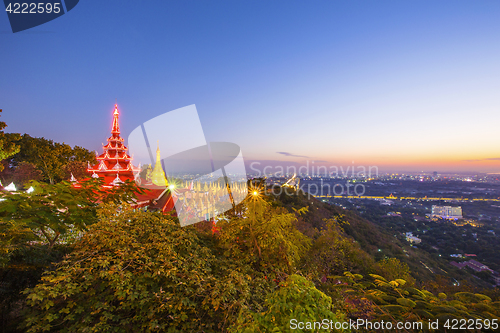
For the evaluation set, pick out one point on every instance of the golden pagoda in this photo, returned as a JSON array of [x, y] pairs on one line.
[[158, 176]]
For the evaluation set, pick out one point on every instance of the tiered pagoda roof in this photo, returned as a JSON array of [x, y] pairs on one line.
[[114, 164]]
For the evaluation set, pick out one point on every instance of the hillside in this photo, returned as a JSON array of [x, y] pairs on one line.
[[272, 260], [378, 241]]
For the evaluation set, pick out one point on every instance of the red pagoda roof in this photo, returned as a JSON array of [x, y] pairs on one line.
[[115, 165]]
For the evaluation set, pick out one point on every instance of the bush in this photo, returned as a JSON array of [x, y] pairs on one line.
[[295, 301], [130, 272]]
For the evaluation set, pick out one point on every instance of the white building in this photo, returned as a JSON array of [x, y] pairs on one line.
[[446, 212], [412, 239]]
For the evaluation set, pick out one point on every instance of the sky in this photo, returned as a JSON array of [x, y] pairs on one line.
[[401, 85]]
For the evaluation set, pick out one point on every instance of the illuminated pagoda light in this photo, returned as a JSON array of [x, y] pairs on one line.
[[114, 164], [11, 187], [117, 181], [157, 190], [149, 173], [293, 182]]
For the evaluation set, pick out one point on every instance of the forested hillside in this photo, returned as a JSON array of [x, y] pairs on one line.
[[272, 262]]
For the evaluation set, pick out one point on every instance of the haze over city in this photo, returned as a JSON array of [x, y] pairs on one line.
[[408, 86]]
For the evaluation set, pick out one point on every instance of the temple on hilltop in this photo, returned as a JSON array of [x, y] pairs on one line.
[[115, 167], [114, 164], [197, 201]]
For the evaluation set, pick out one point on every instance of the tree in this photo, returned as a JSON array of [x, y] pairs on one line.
[[8, 147], [26, 172], [55, 210], [139, 272], [264, 236], [333, 252], [392, 268], [76, 168], [50, 157], [37, 229], [295, 301], [396, 301]]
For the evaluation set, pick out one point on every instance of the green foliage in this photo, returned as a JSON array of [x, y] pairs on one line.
[[295, 299], [264, 237], [132, 272], [12, 237], [51, 211], [23, 269], [396, 300], [26, 172], [76, 168], [392, 269], [332, 252], [55, 160], [62, 212], [142, 272], [7, 144]]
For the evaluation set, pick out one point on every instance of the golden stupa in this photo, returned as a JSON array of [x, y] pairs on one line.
[[158, 176]]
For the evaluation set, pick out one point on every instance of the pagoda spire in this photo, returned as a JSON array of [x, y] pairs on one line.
[[114, 160], [158, 176], [116, 128]]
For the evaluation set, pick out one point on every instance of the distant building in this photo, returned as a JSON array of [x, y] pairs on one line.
[[472, 264], [412, 239], [446, 212], [393, 214], [496, 278]]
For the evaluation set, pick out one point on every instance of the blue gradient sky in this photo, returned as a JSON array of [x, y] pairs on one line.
[[405, 85]]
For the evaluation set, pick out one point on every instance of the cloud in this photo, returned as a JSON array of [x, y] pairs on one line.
[[483, 159], [290, 154]]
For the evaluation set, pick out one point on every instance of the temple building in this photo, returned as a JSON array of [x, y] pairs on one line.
[[115, 167], [114, 164], [196, 200]]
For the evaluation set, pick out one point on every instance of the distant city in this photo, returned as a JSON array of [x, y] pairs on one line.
[[424, 177]]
